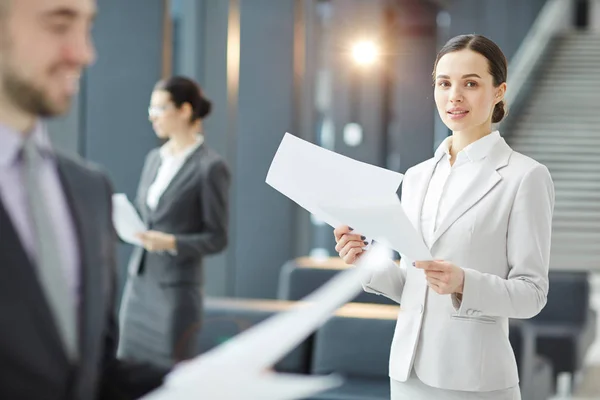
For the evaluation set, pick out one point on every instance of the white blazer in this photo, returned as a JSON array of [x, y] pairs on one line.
[[499, 233]]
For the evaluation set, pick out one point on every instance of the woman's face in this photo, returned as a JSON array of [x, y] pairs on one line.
[[165, 117], [465, 95]]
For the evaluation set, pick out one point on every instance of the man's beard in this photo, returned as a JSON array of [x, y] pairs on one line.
[[29, 98], [24, 94]]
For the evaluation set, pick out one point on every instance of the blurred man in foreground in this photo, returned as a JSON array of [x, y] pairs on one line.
[[57, 287]]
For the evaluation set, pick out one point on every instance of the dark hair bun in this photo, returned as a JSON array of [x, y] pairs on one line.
[[499, 112], [204, 108], [184, 90]]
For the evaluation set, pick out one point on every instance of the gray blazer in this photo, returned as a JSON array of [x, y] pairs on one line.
[[194, 207]]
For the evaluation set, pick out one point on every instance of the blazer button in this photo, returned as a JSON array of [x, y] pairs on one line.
[[421, 308], [470, 311]]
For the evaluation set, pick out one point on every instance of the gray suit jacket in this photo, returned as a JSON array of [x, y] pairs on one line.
[[194, 207], [32, 360]]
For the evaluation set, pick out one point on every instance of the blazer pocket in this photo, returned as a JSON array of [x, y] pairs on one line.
[[481, 320]]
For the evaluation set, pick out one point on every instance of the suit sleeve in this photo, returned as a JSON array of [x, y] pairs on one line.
[[523, 293], [214, 202], [121, 380], [387, 281]]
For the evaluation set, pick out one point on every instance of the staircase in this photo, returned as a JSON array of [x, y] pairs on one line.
[[559, 126]]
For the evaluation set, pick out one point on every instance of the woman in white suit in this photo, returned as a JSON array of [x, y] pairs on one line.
[[485, 212]]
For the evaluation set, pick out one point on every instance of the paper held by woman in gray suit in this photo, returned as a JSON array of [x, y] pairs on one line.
[[162, 304]]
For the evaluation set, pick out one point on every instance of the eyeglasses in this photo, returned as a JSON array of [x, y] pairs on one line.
[[157, 111]]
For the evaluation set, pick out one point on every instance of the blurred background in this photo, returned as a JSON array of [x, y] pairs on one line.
[[354, 76]]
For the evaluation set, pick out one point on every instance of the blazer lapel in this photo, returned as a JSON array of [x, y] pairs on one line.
[[487, 178]]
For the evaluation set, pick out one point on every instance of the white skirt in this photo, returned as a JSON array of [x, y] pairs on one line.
[[414, 389]]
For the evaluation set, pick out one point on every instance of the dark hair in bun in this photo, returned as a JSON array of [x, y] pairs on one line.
[[184, 90], [499, 112]]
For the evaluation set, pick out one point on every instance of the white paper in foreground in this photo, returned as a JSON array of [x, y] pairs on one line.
[[236, 369], [126, 220], [311, 175]]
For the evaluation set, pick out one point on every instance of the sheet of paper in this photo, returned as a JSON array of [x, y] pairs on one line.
[[385, 222], [245, 358], [310, 175], [342, 191], [126, 220]]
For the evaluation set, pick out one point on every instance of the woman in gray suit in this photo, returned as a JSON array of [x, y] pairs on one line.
[[183, 199]]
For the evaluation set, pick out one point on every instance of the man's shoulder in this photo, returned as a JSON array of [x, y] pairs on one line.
[[84, 169]]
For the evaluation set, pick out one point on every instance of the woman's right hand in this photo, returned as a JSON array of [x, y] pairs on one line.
[[350, 246]]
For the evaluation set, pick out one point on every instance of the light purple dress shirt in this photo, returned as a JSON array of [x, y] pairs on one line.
[[14, 199]]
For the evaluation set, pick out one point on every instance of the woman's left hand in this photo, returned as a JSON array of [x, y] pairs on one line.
[[157, 241], [443, 277]]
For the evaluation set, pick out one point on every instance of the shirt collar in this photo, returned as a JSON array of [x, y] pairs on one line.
[[11, 142], [443, 149], [476, 151], [166, 154]]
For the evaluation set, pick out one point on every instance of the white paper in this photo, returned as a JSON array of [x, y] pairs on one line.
[[311, 176], [385, 223], [343, 191], [237, 367], [126, 220]]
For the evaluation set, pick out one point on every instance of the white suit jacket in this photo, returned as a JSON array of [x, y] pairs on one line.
[[499, 233]]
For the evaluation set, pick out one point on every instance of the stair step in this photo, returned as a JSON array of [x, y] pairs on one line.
[[555, 160], [578, 187], [557, 128], [579, 205], [565, 211], [573, 140], [572, 224], [575, 110], [574, 150], [553, 96], [565, 62], [571, 72], [536, 118], [565, 217], [559, 176], [566, 197], [567, 263], [571, 238], [576, 56]]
